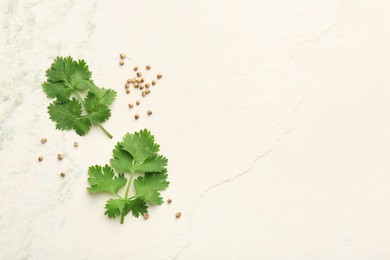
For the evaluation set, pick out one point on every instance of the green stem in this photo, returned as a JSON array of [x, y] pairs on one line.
[[99, 125], [127, 194]]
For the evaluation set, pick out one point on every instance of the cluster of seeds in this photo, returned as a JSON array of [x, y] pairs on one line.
[[139, 83], [60, 156]]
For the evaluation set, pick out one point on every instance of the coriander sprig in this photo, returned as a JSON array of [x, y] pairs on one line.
[[137, 154], [67, 80]]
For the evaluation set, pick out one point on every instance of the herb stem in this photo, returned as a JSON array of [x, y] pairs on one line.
[[127, 194], [99, 125]]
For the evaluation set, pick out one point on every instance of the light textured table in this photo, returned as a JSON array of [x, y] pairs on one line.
[[274, 116]]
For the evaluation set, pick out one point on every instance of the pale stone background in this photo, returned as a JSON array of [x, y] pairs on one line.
[[274, 116]]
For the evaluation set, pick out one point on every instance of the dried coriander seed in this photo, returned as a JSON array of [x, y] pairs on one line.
[[142, 80], [62, 174], [159, 76], [141, 86], [121, 63], [43, 140], [137, 102], [148, 67], [135, 68], [178, 215], [136, 116], [127, 91], [76, 144], [122, 56], [147, 85], [143, 93], [146, 216], [147, 91], [136, 85], [127, 85], [132, 80], [149, 113], [60, 156], [40, 158], [169, 201], [139, 74], [128, 80], [130, 105], [153, 82]]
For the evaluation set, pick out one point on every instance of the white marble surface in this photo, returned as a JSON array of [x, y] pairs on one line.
[[274, 116]]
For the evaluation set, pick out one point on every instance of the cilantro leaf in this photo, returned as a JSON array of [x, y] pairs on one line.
[[67, 80], [148, 187], [137, 153], [97, 111], [122, 161], [67, 116], [137, 207], [156, 163], [140, 145], [103, 179], [57, 90], [116, 207]]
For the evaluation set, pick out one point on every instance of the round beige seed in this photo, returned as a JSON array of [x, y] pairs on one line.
[[149, 112], [147, 85], [153, 82], [143, 93], [127, 85], [135, 68], [148, 67], [136, 85], [121, 63], [40, 158], [159, 76], [141, 86], [146, 216], [122, 56], [128, 80], [127, 91], [142, 80], [139, 74], [147, 91], [62, 174], [130, 105], [137, 102], [178, 215], [169, 201], [136, 116], [132, 80], [138, 81], [76, 144], [60, 156], [43, 140]]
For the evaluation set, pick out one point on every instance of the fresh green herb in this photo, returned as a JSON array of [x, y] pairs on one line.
[[137, 154], [67, 81]]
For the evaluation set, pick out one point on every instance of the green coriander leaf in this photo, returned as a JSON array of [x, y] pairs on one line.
[[148, 187], [156, 163], [65, 114], [57, 90], [106, 96], [104, 180], [82, 126], [122, 161], [97, 111], [137, 207], [114, 207], [140, 145]]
